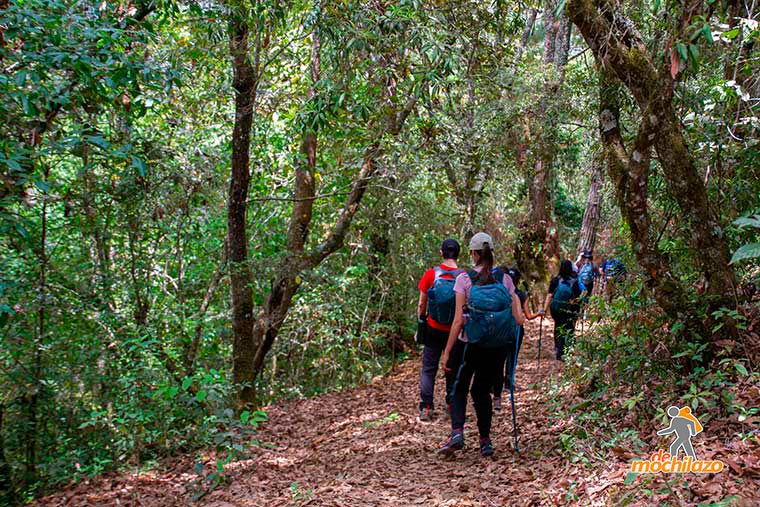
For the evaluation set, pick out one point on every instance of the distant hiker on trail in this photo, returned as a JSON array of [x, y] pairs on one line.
[[586, 273], [488, 310], [506, 372], [436, 309], [613, 271], [684, 425], [562, 303]]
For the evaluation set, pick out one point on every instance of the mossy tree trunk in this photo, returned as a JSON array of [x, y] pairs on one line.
[[619, 48]]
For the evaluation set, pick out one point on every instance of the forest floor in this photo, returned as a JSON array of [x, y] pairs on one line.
[[367, 447]]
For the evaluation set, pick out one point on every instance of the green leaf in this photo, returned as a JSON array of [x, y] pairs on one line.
[[138, 164], [629, 478], [707, 32], [751, 221], [656, 6], [694, 57], [186, 383], [245, 416], [200, 396], [749, 251], [731, 34], [98, 141], [741, 369], [682, 52], [559, 8]]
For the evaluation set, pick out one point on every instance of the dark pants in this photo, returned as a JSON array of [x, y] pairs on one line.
[[435, 343], [479, 367], [504, 374], [564, 332]]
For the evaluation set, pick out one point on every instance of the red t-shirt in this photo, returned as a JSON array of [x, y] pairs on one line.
[[426, 282]]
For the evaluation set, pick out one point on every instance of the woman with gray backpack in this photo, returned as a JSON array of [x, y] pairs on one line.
[[486, 322]]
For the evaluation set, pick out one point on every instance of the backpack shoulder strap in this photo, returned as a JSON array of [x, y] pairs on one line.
[[438, 272], [474, 276], [498, 275]]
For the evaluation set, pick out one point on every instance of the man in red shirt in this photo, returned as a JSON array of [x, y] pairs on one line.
[[436, 333]]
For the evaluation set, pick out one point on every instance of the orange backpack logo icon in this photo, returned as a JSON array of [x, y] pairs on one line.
[[685, 426]]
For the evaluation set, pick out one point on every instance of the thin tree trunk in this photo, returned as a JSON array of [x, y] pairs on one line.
[[6, 479], [529, 23], [587, 238], [241, 280]]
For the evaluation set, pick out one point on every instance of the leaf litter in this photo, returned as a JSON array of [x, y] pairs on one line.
[[366, 447]]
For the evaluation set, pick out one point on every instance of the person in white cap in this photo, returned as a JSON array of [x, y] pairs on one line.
[[474, 363]]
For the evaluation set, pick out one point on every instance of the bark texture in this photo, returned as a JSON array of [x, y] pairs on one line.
[[615, 42], [587, 238], [243, 82]]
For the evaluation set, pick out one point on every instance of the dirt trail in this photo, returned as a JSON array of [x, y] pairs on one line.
[[366, 447]]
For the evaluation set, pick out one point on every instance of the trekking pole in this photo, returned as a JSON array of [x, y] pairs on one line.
[[540, 333], [512, 390]]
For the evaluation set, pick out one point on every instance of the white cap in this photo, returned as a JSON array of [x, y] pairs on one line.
[[479, 240]]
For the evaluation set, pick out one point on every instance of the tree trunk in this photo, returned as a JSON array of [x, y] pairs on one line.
[[629, 174], [243, 82], [529, 22], [6, 479], [537, 248], [616, 44], [587, 237]]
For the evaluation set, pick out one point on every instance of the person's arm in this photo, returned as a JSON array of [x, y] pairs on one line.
[[668, 430], [526, 311], [517, 312], [422, 304], [548, 303], [456, 327]]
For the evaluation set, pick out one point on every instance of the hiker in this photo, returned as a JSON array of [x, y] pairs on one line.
[[435, 309], [474, 355], [586, 274], [505, 375], [613, 271], [562, 303]]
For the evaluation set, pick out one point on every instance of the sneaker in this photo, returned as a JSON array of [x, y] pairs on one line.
[[455, 443], [426, 413], [486, 448], [497, 404]]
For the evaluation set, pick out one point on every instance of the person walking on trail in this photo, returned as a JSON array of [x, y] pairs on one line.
[[505, 375], [488, 310], [562, 303], [685, 426], [586, 273], [613, 271], [435, 309]]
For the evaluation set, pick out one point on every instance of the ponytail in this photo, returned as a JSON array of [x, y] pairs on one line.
[[485, 261]]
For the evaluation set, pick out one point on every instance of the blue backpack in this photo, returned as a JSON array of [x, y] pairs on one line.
[[586, 275], [562, 296], [491, 323], [441, 297]]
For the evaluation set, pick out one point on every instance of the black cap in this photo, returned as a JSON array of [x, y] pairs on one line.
[[450, 249], [588, 254]]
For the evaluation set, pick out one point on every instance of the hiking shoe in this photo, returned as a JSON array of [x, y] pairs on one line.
[[426, 413], [486, 448], [455, 443], [497, 404]]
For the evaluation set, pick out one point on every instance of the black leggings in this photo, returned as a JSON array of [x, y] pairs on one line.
[[479, 366], [508, 362], [564, 332]]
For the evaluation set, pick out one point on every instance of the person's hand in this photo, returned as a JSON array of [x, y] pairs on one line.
[[445, 360]]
